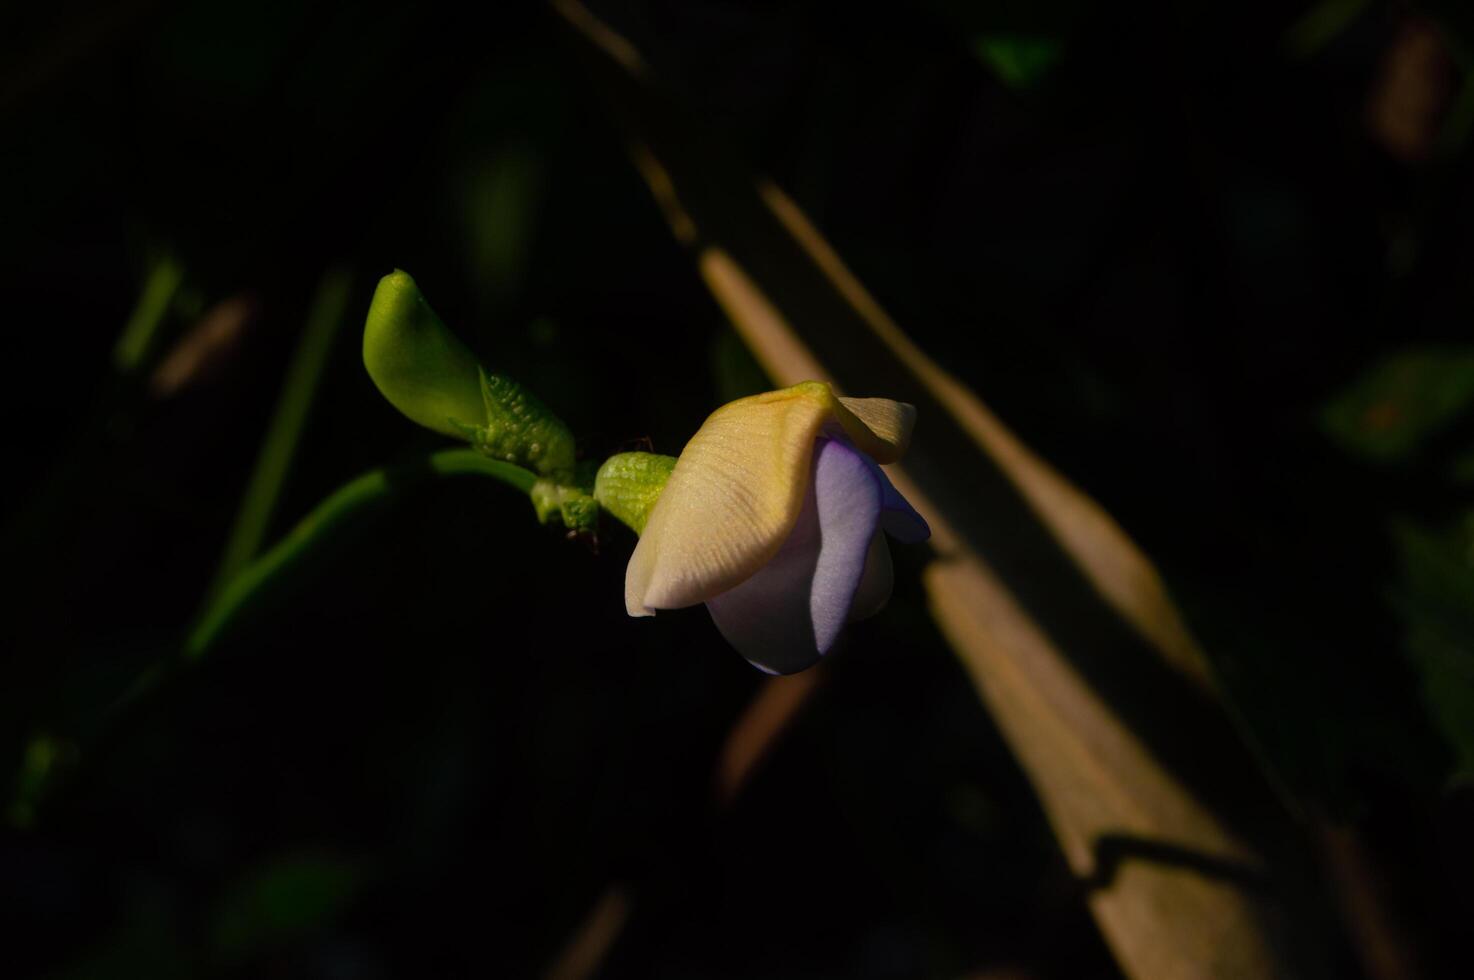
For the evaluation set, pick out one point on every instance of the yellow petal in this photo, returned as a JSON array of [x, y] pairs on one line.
[[881, 428], [737, 489]]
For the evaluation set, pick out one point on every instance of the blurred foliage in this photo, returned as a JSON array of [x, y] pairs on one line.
[[1436, 596], [283, 900], [1167, 245], [1020, 61], [1402, 402]]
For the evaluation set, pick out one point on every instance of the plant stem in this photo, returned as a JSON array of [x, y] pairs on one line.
[[50, 758], [141, 334], [285, 431], [342, 506]]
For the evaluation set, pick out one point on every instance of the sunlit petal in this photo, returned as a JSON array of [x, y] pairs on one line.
[[730, 502], [788, 614], [887, 423]]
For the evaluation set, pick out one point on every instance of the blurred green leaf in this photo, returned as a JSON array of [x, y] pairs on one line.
[[147, 943], [228, 53], [1461, 470], [42, 755], [1020, 60], [1399, 404], [1320, 25], [1436, 596], [502, 197], [287, 899]]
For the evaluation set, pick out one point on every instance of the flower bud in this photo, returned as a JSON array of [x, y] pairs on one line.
[[430, 376], [628, 485], [417, 363]]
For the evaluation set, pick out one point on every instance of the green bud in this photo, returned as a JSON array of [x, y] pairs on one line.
[[520, 429], [431, 377], [417, 363], [627, 486]]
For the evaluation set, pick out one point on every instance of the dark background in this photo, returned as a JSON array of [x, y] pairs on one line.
[[1214, 261]]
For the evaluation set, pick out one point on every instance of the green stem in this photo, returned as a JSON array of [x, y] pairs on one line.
[[285, 431], [48, 757], [142, 331], [343, 505]]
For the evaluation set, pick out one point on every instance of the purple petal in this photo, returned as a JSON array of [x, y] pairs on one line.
[[897, 517], [787, 615], [875, 585]]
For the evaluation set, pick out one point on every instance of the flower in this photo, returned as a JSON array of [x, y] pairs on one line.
[[773, 516]]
